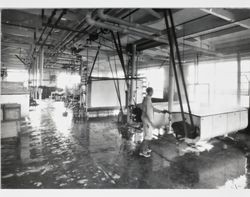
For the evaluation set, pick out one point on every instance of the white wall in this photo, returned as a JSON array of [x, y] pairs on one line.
[[14, 75], [103, 93], [155, 79], [22, 99]]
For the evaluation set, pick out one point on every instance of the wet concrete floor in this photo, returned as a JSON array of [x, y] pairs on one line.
[[55, 152]]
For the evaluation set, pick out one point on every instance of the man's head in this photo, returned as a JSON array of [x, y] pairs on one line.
[[150, 91]]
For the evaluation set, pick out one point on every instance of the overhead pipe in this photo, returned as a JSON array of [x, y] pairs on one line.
[[128, 24], [41, 35], [49, 21], [18, 25], [115, 78], [88, 27], [225, 15], [153, 13], [69, 37], [143, 28], [57, 21], [146, 32], [124, 30], [107, 11], [60, 44], [48, 25]]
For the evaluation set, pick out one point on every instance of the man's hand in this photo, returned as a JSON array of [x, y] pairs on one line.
[[153, 125], [165, 111]]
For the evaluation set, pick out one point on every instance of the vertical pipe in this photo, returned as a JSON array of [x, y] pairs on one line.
[[29, 75], [169, 34], [120, 55], [131, 87], [249, 97], [86, 85], [133, 73], [196, 64], [171, 87], [80, 68], [41, 61], [180, 66], [36, 76], [33, 78], [170, 93], [238, 78], [37, 71], [247, 171], [118, 87], [88, 96], [81, 87], [136, 82]]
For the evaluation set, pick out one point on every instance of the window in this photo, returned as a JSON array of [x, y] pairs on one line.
[[155, 79], [67, 80]]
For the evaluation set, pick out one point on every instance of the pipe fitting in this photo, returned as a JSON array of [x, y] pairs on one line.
[[89, 19], [137, 27], [101, 14], [125, 30]]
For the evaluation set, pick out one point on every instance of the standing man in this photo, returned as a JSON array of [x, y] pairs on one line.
[[148, 122]]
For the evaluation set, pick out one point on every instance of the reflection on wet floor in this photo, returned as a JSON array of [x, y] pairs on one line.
[[55, 152]]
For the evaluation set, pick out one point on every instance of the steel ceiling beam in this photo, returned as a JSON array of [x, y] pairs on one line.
[[227, 16], [47, 12], [214, 30], [146, 34]]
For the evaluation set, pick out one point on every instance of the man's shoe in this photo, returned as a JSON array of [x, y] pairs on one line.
[[144, 154]]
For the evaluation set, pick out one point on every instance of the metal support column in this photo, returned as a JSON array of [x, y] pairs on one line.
[[33, 65], [249, 98], [120, 55], [92, 68], [133, 73], [131, 87], [238, 78], [170, 94], [196, 74], [171, 44], [180, 66], [41, 62], [86, 85], [36, 76]]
